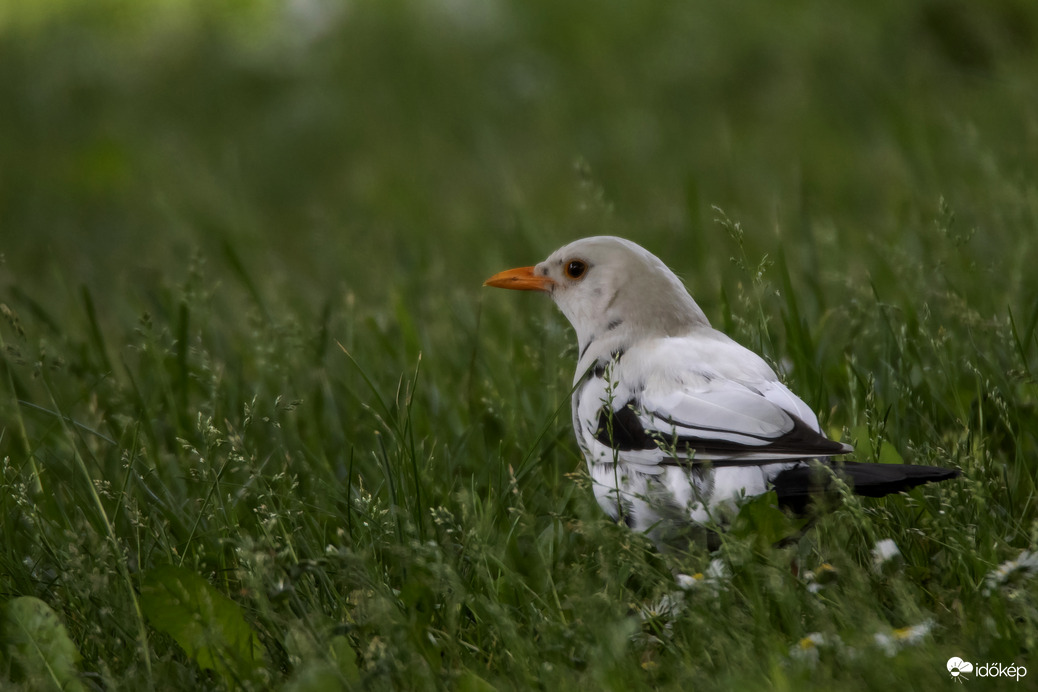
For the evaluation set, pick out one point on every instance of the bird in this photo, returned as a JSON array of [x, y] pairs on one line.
[[678, 423]]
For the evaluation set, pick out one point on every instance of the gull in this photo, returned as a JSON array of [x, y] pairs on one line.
[[677, 422]]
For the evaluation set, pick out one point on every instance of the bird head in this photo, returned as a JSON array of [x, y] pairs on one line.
[[608, 287]]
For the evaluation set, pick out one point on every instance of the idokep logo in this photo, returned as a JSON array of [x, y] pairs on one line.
[[960, 670]]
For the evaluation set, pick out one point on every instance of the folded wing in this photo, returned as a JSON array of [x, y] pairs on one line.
[[720, 421]]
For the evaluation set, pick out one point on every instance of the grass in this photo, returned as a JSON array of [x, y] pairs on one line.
[[260, 426]]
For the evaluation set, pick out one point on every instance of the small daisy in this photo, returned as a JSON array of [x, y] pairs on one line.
[[820, 577], [1019, 570], [806, 650], [884, 553], [895, 640], [715, 577], [657, 618]]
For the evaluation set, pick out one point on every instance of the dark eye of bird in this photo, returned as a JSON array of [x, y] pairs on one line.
[[576, 269]]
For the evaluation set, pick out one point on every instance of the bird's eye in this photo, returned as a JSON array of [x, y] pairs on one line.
[[576, 269]]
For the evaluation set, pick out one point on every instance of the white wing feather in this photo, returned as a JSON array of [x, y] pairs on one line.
[[704, 393]]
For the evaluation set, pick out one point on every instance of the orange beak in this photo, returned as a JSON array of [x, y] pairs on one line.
[[521, 279]]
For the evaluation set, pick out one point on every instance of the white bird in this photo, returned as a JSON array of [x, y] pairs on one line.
[[677, 422]]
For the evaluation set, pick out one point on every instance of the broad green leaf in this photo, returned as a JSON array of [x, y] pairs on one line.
[[470, 682], [207, 625], [319, 667], [345, 657], [37, 641]]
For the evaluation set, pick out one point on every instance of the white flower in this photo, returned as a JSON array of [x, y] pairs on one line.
[[715, 577], [658, 618], [806, 650], [690, 581], [884, 552], [1010, 571], [818, 578], [666, 606], [895, 640]]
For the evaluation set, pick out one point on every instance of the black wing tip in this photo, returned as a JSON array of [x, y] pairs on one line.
[[876, 482], [795, 487]]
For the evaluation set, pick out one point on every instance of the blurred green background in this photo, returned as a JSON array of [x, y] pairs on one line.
[[366, 146]]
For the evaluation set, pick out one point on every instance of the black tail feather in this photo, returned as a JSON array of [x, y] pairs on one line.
[[796, 486]]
